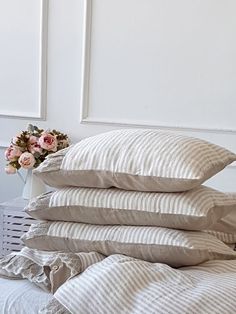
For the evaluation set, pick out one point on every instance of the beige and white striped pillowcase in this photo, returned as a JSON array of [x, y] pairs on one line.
[[155, 244], [136, 159], [48, 270], [121, 284], [225, 228], [229, 238], [197, 209]]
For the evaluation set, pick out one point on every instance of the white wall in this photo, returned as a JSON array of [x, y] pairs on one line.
[[201, 84], [172, 61]]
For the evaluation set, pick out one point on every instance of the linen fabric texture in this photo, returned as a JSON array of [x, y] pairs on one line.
[[154, 244], [48, 270], [197, 209], [121, 284], [136, 159]]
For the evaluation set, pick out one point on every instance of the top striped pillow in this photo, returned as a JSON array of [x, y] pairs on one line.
[[136, 159]]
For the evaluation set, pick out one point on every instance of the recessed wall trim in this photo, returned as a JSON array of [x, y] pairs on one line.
[[153, 125], [3, 144], [40, 114], [86, 60], [85, 118]]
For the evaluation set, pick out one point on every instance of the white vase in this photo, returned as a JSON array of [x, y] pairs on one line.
[[33, 186]]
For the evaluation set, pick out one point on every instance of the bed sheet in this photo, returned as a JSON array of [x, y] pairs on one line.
[[21, 297]]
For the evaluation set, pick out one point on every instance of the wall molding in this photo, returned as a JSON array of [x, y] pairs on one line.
[[3, 144], [87, 28], [85, 119], [84, 100], [40, 114]]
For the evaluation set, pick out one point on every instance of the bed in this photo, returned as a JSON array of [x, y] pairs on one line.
[[122, 284], [21, 297]]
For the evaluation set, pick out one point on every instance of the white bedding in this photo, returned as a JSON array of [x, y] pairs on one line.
[[21, 297]]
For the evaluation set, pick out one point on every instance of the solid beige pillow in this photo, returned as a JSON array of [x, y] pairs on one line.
[[136, 159], [154, 244], [196, 209]]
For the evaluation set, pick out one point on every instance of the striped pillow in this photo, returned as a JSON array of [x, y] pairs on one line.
[[228, 238], [196, 209], [136, 159], [154, 244], [225, 228], [48, 270]]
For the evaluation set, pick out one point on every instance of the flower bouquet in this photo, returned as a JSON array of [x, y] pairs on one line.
[[27, 150]]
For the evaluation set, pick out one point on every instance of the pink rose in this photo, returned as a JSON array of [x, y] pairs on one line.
[[12, 153], [34, 146], [48, 142], [10, 169], [27, 160]]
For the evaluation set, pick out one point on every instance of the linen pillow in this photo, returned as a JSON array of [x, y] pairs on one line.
[[228, 238], [154, 244], [136, 159], [225, 228], [196, 209], [48, 270]]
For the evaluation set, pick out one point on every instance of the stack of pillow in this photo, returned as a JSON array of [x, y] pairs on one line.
[[136, 192]]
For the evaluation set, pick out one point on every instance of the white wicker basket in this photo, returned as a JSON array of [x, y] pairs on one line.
[[14, 222]]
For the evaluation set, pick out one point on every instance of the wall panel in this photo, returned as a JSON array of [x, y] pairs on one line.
[[163, 63], [23, 32]]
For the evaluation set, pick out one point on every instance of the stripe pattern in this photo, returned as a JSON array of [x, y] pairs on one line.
[[141, 160], [54, 307], [229, 238], [155, 244], [53, 161], [48, 270], [197, 209], [121, 284]]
